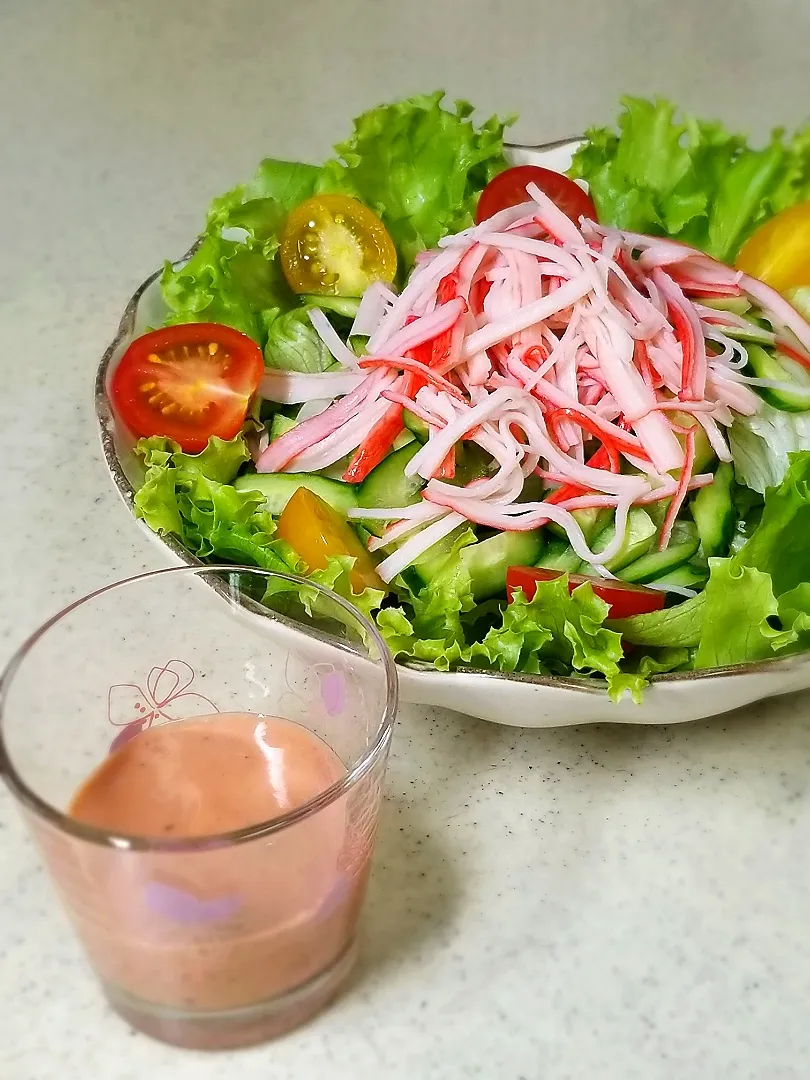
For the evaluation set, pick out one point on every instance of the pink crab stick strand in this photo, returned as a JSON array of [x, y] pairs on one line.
[[544, 315]]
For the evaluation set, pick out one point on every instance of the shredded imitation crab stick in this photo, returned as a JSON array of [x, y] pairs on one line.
[[561, 350]]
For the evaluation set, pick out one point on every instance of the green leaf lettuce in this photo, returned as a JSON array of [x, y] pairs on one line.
[[689, 178]]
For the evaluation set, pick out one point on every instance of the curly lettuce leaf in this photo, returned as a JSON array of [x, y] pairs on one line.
[[439, 608], [233, 276], [184, 496], [221, 460], [739, 608], [419, 166], [556, 632], [778, 546], [756, 603], [292, 343], [688, 178], [287, 183], [675, 627], [336, 575]]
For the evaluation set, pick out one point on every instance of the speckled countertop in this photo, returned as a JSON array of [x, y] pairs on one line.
[[615, 904]]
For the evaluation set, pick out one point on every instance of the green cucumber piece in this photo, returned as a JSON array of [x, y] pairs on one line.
[[656, 564], [488, 560], [340, 305], [704, 453], [336, 470], [760, 334], [424, 569], [713, 512], [638, 539], [800, 299], [705, 456], [280, 424], [658, 511], [416, 424], [559, 555], [472, 463], [738, 304], [766, 365], [685, 576], [387, 485], [591, 521], [403, 439], [279, 488]]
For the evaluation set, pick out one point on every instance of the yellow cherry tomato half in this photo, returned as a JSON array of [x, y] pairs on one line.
[[334, 245], [778, 253], [316, 532]]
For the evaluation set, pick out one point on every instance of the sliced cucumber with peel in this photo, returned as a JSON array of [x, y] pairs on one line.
[[656, 564], [472, 463], [683, 545], [714, 514], [422, 571], [638, 539], [559, 555], [279, 488], [347, 306], [794, 395], [685, 576], [738, 304], [403, 439], [387, 485], [592, 522], [280, 425], [416, 425], [488, 560]]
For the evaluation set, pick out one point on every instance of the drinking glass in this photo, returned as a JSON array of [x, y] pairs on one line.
[[223, 940]]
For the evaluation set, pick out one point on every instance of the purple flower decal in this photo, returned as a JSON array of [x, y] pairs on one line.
[[333, 692], [179, 905]]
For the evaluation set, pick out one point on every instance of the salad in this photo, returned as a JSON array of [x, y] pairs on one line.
[[525, 421]]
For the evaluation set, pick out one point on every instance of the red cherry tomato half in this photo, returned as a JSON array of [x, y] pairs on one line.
[[509, 189], [622, 598], [187, 382]]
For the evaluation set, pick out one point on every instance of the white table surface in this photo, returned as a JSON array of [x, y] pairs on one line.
[[591, 903]]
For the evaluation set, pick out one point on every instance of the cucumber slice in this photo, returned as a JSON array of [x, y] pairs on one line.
[[472, 463], [658, 511], [704, 454], [280, 424], [656, 564], [488, 560], [416, 424], [684, 576], [559, 555], [279, 488], [336, 470], [800, 299], [759, 334], [638, 540], [403, 439], [766, 365], [424, 569], [713, 512], [738, 304], [340, 305], [592, 522], [387, 485]]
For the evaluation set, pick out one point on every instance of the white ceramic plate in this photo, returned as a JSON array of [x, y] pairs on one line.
[[517, 700]]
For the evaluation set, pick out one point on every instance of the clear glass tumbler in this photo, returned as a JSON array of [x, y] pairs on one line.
[[227, 939]]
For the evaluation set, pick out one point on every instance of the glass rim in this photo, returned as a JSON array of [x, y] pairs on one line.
[[129, 842]]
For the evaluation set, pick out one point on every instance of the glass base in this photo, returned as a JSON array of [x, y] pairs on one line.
[[245, 1026]]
